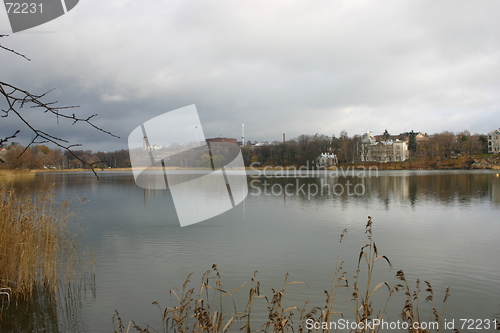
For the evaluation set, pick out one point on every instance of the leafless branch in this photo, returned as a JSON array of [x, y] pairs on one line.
[[17, 99], [4, 140], [13, 51]]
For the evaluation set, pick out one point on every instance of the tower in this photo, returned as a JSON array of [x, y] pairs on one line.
[[242, 134]]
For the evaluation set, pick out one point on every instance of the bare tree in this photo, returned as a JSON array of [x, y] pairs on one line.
[[18, 99]]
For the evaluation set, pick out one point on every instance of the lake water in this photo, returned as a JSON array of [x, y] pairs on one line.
[[439, 226]]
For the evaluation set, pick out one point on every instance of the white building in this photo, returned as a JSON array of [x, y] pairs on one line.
[[382, 151], [326, 160], [494, 142]]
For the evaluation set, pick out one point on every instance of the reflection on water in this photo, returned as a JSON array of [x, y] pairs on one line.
[[445, 187], [23, 316], [440, 226], [43, 313]]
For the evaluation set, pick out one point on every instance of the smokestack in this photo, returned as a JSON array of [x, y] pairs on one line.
[[284, 137], [242, 134]]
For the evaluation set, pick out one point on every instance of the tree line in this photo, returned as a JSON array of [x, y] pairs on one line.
[[302, 150], [305, 149], [16, 156]]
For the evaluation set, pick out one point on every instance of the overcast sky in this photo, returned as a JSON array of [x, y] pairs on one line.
[[294, 67]]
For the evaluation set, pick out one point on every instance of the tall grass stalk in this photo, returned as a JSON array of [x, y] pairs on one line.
[[204, 312], [37, 246]]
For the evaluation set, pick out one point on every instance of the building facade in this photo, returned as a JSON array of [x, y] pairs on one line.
[[494, 142], [326, 160], [382, 151], [226, 140]]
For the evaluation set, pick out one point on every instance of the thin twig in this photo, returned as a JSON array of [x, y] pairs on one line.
[[13, 51], [17, 98]]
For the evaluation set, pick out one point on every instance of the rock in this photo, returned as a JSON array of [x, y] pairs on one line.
[[480, 165]]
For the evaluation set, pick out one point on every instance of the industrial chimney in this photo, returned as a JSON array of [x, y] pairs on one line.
[[242, 134]]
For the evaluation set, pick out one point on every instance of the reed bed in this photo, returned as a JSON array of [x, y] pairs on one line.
[[37, 245], [212, 308]]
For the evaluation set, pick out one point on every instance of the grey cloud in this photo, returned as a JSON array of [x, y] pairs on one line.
[[294, 67]]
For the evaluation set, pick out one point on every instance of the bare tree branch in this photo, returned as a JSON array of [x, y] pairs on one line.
[[17, 99], [13, 51], [4, 140]]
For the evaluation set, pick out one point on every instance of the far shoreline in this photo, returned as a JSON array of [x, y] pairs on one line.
[[488, 162]]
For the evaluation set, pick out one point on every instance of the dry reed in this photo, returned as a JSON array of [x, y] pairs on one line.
[[203, 312], [37, 246]]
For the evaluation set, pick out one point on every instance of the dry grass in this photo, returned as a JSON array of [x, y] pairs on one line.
[[6, 173], [204, 311], [37, 247]]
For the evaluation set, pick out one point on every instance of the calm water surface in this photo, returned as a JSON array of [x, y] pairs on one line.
[[440, 226]]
